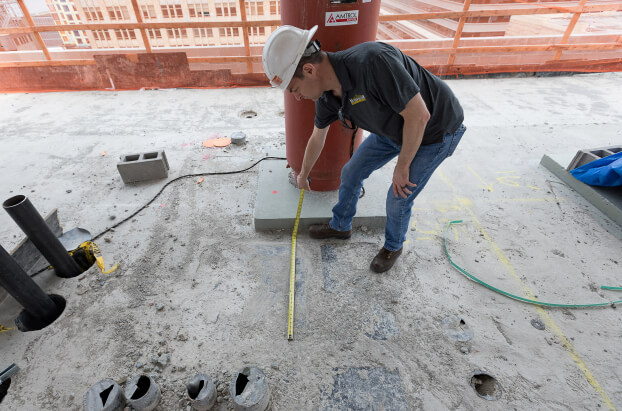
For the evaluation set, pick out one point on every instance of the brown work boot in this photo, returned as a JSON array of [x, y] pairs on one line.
[[325, 231], [384, 260]]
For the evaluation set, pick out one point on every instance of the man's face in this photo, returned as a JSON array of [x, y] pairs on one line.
[[307, 87]]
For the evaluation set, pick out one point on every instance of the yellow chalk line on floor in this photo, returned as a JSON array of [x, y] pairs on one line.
[[465, 202]]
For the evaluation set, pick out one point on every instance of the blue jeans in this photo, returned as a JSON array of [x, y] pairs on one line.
[[373, 153]]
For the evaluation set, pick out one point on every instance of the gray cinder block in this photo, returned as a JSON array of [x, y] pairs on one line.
[[143, 166], [591, 154]]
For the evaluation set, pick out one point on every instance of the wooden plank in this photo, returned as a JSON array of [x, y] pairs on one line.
[[31, 23], [247, 48], [508, 49], [47, 63], [412, 52], [595, 66], [143, 32], [143, 25], [452, 57], [596, 8], [225, 59], [569, 29]]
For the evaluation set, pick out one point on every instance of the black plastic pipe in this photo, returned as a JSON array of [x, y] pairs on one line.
[[25, 291], [33, 225]]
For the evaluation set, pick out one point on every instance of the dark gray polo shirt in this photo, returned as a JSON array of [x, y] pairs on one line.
[[377, 82]]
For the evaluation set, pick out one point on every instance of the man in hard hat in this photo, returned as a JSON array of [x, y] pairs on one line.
[[409, 112]]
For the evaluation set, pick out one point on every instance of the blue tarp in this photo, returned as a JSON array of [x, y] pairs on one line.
[[606, 172]]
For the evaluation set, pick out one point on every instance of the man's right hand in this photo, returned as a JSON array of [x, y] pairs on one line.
[[303, 182]]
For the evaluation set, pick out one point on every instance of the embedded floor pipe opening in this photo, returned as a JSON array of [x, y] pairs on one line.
[[249, 390], [33, 225], [142, 393], [106, 395], [201, 392], [40, 309], [486, 386]]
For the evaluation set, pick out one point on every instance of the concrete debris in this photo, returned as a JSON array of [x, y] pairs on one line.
[[457, 329]]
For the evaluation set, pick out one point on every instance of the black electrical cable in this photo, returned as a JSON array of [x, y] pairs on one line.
[[216, 173]]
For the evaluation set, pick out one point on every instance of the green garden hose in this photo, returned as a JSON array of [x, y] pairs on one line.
[[515, 297]]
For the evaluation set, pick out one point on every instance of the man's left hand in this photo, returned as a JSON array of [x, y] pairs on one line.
[[401, 184]]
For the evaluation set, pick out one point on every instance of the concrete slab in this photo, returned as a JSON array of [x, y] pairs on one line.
[[606, 199], [198, 282], [277, 200]]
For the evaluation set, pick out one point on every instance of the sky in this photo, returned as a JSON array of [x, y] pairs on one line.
[[36, 6]]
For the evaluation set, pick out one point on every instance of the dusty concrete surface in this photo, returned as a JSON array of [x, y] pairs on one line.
[[199, 290]]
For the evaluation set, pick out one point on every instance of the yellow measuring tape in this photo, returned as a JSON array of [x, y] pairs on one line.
[[292, 272]]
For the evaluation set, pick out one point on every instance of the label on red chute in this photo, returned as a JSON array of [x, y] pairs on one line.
[[342, 18]]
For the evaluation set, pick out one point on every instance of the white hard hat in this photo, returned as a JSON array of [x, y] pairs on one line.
[[283, 51]]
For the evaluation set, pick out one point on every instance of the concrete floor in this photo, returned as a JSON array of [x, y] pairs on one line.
[[199, 283]]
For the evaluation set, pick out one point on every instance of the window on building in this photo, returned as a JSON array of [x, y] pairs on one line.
[[171, 11], [203, 33], [69, 17], [257, 35], [255, 32], [154, 34], [275, 7], [177, 33], [178, 37], [66, 9], [21, 40], [226, 9], [254, 8], [118, 13], [227, 32], [148, 12], [101, 35], [93, 14], [198, 10], [204, 37], [125, 34]]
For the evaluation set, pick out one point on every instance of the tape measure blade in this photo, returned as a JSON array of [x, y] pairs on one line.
[[292, 272]]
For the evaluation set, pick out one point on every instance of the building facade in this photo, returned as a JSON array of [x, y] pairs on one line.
[[178, 11]]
